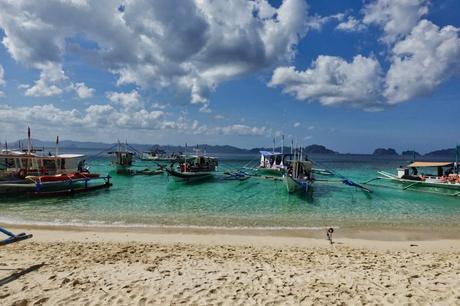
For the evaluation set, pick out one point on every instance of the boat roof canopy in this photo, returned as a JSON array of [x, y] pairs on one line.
[[71, 155], [430, 164], [267, 153], [14, 154]]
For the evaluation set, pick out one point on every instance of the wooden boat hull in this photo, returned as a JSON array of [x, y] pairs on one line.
[[293, 185], [54, 186], [16, 187], [189, 176]]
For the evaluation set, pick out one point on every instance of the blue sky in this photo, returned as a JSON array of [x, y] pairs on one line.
[[350, 75]]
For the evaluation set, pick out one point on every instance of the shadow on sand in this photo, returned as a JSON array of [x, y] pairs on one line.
[[18, 274]]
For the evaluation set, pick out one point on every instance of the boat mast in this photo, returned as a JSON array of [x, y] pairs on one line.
[[282, 149], [29, 143], [456, 155], [273, 145], [185, 158], [56, 154]]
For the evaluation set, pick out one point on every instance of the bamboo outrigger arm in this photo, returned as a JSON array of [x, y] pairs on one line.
[[12, 238]]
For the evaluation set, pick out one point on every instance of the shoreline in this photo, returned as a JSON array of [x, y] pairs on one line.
[[264, 238], [97, 267]]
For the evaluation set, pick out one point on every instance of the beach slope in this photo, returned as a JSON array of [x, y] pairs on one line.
[[106, 268]]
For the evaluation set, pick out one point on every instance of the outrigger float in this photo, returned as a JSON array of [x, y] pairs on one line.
[[12, 238], [446, 181]]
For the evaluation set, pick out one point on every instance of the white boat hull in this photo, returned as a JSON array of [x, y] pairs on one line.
[[413, 183]]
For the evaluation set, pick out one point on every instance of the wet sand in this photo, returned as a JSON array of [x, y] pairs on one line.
[[138, 267]]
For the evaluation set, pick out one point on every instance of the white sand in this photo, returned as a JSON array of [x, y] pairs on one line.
[[139, 268]]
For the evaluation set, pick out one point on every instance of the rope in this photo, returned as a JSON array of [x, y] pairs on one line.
[[139, 153], [101, 152], [345, 180]]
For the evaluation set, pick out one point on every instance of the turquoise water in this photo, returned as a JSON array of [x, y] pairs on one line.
[[159, 201]]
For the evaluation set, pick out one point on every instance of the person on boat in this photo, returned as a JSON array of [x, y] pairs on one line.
[[440, 171], [81, 165], [449, 171]]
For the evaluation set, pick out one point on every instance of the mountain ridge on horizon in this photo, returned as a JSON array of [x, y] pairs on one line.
[[310, 149]]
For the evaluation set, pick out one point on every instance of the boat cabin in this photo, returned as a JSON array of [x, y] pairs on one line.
[[123, 158], [271, 160], [300, 169], [199, 164], [438, 172], [154, 154], [23, 163]]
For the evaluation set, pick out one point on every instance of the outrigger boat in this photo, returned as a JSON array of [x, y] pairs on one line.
[[24, 173], [271, 163], [159, 156], [299, 174], [122, 159], [447, 177], [30, 173], [193, 168]]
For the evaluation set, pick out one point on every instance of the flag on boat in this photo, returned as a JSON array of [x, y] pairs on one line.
[[57, 140]]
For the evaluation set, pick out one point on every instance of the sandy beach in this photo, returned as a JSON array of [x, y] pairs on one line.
[[62, 266]]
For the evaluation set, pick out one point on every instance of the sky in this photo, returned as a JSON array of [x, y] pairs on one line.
[[350, 75]]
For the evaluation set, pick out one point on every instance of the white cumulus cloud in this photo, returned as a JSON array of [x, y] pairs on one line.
[[2, 76], [83, 91], [396, 17], [424, 59], [421, 57], [241, 130], [130, 100], [332, 80], [189, 45], [47, 85], [2, 80], [351, 25]]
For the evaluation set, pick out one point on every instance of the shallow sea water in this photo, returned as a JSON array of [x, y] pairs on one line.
[[254, 203]]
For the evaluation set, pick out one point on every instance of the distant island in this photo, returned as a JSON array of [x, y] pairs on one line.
[[445, 152], [410, 153], [219, 149], [385, 152], [319, 149]]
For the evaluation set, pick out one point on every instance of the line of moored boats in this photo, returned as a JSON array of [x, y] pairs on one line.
[[32, 172]]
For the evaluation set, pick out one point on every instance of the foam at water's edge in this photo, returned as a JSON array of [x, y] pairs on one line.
[[121, 225]]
